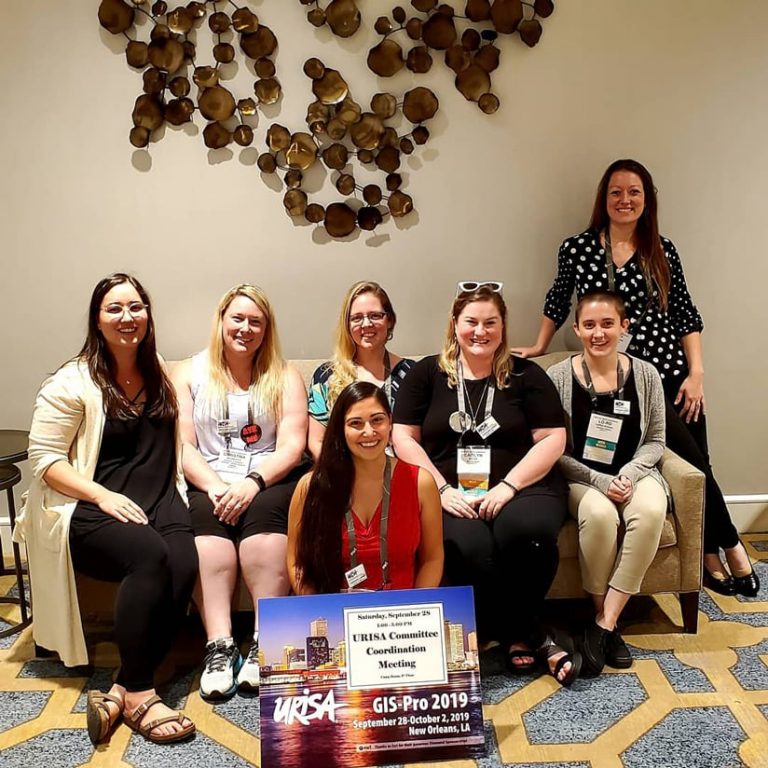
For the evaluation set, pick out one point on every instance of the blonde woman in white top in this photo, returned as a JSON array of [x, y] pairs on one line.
[[244, 423]]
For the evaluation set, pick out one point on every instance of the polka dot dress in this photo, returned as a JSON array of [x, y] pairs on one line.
[[656, 334]]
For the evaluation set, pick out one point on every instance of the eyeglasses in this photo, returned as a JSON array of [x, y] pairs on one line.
[[134, 309], [375, 318], [467, 286]]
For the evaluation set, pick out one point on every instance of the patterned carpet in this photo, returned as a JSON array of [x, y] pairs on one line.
[[694, 701]]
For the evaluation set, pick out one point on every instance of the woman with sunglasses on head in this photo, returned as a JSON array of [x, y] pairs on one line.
[[366, 324], [615, 404], [361, 519], [622, 251], [244, 424], [489, 428], [108, 500]]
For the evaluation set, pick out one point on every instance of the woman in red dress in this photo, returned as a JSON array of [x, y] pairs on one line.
[[362, 519]]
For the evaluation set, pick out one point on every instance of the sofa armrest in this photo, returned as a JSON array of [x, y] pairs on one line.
[[687, 486]]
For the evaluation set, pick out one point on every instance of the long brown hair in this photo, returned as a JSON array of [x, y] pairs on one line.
[[653, 261], [503, 364], [161, 398], [343, 370], [318, 549]]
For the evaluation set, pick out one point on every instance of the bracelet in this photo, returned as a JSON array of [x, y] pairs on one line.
[[258, 479], [510, 485], [443, 488]]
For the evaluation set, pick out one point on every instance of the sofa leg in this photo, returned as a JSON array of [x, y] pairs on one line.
[[689, 604]]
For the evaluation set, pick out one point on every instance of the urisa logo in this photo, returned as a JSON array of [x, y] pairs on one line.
[[305, 708]]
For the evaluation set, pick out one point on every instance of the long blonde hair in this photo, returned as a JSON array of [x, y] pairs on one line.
[[343, 370], [502, 361], [268, 363]]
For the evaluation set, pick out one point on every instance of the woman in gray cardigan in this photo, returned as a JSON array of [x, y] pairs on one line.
[[615, 413]]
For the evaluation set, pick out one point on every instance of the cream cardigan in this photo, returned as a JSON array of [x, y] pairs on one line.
[[67, 424]]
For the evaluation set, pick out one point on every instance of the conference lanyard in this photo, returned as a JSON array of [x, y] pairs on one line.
[[591, 387], [383, 548], [227, 427], [463, 422], [387, 386]]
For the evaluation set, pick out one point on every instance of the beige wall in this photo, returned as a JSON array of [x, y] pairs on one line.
[[679, 85]]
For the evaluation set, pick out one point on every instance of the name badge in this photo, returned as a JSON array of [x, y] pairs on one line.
[[225, 427], [355, 576], [473, 466], [602, 438], [487, 428], [234, 461], [624, 341], [621, 407]]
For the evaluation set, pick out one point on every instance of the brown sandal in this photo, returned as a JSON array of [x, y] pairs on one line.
[[99, 717], [133, 721]]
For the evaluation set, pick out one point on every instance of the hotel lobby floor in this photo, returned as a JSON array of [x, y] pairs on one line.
[[693, 701]]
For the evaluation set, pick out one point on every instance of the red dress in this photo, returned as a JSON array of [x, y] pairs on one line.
[[403, 535]]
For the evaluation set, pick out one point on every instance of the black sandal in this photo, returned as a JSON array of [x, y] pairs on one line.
[[521, 653], [550, 648]]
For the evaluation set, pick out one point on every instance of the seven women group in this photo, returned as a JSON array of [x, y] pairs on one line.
[[171, 486]]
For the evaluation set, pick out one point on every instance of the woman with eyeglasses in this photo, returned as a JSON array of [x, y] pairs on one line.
[[615, 409], [361, 519], [244, 423], [622, 251], [366, 324], [108, 500], [490, 429]]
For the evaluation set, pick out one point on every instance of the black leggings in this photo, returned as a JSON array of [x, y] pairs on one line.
[[689, 441], [510, 562], [156, 568]]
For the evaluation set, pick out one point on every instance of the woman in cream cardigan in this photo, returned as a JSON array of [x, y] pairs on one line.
[[107, 499]]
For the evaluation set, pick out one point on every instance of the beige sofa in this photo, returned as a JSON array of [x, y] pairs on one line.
[[676, 567]]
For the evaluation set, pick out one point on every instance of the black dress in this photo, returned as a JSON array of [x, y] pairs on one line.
[[156, 564], [509, 561]]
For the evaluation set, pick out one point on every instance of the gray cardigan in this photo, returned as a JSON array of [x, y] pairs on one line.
[[650, 395]]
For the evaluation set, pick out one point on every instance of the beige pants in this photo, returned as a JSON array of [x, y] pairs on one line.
[[599, 518]]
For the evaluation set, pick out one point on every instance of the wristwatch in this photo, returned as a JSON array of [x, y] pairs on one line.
[[258, 479]]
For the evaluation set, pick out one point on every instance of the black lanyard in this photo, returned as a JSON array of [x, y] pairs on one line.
[[591, 387], [383, 549], [490, 389], [387, 386], [610, 267], [228, 435]]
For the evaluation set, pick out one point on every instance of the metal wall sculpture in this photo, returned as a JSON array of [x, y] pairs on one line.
[[473, 56], [339, 131]]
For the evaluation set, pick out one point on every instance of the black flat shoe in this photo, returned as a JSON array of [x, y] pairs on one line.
[[593, 648], [748, 585], [721, 586], [617, 655]]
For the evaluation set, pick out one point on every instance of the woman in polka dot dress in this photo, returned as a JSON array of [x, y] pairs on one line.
[[622, 251]]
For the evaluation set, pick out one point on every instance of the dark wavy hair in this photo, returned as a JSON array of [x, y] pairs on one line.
[[652, 258], [318, 551], [161, 398]]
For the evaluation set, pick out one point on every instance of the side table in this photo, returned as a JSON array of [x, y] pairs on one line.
[[13, 449]]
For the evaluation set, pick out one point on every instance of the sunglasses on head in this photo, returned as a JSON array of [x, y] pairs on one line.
[[467, 286]]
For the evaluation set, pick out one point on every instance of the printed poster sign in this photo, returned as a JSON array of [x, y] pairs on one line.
[[369, 678]]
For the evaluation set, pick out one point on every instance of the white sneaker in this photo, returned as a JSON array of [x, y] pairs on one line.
[[220, 668], [249, 677]]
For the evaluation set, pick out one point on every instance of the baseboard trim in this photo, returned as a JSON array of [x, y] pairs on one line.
[[749, 512]]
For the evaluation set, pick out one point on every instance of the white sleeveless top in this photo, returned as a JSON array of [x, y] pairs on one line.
[[209, 442]]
